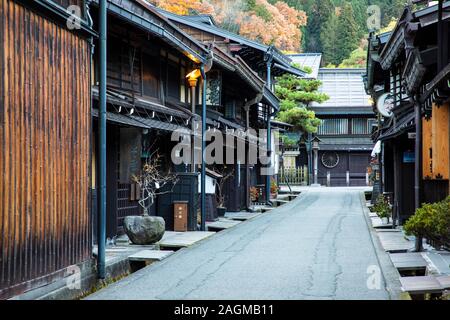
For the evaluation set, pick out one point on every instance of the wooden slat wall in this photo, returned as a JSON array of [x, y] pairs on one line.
[[427, 161], [44, 148], [440, 134]]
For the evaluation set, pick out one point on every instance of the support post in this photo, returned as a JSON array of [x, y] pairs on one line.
[[101, 267], [310, 159], [269, 57], [203, 173], [269, 145], [193, 129], [417, 165], [247, 163], [316, 165]]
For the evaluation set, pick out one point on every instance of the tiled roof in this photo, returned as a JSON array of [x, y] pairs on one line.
[[311, 60], [345, 88]]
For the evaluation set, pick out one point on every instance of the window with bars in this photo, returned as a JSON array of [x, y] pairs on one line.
[[396, 84], [333, 127], [360, 126]]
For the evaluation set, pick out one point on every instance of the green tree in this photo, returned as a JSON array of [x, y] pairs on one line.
[[346, 33], [295, 95], [328, 38], [357, 59], [319, 12]]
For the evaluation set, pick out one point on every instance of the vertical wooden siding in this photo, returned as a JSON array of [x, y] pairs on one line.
[[440, 132], [44, 148]]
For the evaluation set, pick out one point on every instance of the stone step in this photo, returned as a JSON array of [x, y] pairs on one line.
[[150, 255], [409, 261]]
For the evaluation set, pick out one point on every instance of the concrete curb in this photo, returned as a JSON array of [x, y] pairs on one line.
[[389, 272]]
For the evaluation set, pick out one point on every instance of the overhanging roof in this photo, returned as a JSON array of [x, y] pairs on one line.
[[343, 111], [279, 58], [396, 42], [138, 122], [237, 65], [401, 125], [145, 16]]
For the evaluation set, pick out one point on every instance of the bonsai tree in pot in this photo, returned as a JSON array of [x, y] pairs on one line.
[[220, 196], [383, 208], [146, 229]]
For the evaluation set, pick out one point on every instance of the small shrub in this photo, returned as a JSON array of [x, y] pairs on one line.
[[431, 220], [382, 207]]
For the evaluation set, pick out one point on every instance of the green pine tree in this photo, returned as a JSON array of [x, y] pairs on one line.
[[346, 33], [328, 39], [295, 95], [320, 11]]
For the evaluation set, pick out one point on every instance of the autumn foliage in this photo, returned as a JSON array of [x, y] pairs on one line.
[[277, 24]]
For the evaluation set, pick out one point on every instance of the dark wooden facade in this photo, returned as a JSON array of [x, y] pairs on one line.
[[148, 98], [412, 64], [345, 132], [44, 149]]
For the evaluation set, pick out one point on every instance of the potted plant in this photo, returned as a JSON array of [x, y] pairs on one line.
[[146, 229], [383, 209], [254, 194], [220, 196], [273, 189]]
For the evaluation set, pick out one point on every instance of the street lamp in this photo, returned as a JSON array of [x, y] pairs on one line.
[[192, 78], [315, 148]]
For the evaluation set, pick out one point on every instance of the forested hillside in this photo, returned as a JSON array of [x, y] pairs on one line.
[[337, 28]]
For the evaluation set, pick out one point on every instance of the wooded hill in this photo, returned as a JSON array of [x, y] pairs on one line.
[[337, 28]]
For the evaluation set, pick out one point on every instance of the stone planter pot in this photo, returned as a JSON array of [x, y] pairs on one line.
[[221, 211], [385, 220], [144, 230]]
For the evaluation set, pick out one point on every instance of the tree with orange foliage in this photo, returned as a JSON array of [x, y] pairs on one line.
[[273, 24], [185, 7]]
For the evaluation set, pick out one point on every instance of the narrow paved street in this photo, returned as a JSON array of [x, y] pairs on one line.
[[315, 247]]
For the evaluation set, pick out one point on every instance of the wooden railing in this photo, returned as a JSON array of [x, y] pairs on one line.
[[294, 176]]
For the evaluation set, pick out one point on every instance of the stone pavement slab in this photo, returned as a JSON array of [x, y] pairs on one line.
[[221, 224], [172, 239], [439, 261], [242, 216], [150, 255], [420, 285], [394, 241], [408, 261]]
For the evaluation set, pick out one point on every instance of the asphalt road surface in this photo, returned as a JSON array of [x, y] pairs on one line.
[[315, 247]]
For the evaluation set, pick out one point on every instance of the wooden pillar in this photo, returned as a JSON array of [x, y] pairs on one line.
[[397, 186], [247, 159]]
